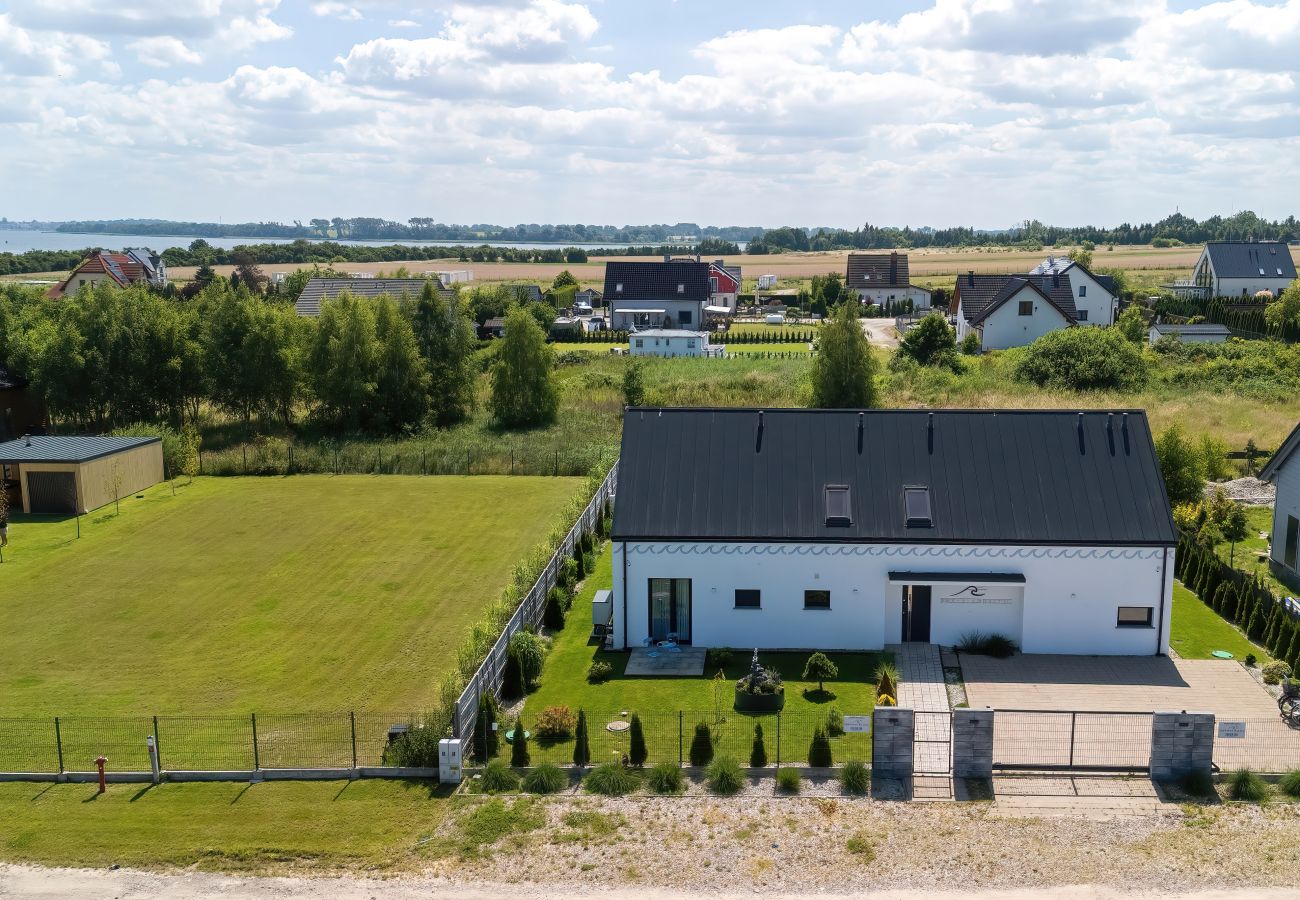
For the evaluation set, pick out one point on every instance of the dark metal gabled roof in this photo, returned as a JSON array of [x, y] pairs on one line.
[[980, 295], [1251, 259], [74, 448], [994, 476], [873, 270], [657, 281], [318, 290]]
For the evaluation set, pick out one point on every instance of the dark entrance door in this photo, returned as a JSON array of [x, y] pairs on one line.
[[52, 492], [916, 613]]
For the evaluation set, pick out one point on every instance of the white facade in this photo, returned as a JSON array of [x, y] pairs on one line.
[[627, 314], [1007, 327], [881, 295], [1068, 602], [1095, 304], [661, 342], [1285, 550]]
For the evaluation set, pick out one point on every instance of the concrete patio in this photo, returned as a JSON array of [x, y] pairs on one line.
[[685, 662]]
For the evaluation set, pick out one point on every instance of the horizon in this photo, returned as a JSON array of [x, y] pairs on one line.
[[947, 113]]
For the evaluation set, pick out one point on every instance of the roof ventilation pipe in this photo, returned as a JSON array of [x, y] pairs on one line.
[[861, 418], [758, 438], [1123, 427], [1110, 432], [929, 436], [1079, 419]]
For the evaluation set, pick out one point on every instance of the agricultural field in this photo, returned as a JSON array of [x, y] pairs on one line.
[[299, 594]]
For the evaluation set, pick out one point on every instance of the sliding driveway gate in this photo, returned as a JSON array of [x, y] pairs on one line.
[[1040, 739]]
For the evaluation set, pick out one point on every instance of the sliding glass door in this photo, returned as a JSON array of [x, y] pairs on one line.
[[670, 608]]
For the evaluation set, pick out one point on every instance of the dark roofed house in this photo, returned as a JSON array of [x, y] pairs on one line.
[[668, 294], [21, 410], [851, 530], [882, 278], [1207, 333], [318, 290], [1283, 472], [1011, 310], [1240, 269]]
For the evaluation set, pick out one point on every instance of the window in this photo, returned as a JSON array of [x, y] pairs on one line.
[[1082, 315], [916, 507], [1292, 532], [1134, 617], [681, 288], [618, 288], [640, 342], [838, 508], [816, 599], [1083, 290], [690, 345], [684, 317], [747, 598], [713, 284], [1026, 307]]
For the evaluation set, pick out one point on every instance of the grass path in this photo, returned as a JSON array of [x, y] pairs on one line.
[[309, 593], [1197, 630]]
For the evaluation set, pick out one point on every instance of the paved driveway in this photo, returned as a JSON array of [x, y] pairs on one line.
[[1123, 684]]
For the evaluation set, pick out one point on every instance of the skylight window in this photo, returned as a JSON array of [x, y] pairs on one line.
[[916, 506], [681, 288], [837, 505], [618, 288]]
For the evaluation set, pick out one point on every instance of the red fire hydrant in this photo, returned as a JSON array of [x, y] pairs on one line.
[[99, 761]]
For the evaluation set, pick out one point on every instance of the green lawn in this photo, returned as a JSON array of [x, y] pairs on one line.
[[764, 328], [299, 594], [1197, 630], [274, 827], [1251, 555], [658, 700]]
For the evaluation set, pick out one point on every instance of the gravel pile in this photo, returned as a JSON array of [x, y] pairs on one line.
[[1249, 491]]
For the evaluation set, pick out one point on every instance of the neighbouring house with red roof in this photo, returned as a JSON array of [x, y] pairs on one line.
[[724, 288], [132, 266]]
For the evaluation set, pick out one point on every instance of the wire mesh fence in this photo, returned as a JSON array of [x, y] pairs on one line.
[[669, 737], [1263, 744]]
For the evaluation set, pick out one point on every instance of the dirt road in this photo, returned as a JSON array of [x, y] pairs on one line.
[[85, 884], [881, 333]]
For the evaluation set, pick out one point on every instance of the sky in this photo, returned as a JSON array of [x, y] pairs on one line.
[[893, 112]]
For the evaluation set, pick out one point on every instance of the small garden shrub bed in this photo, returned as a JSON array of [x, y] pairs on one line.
[[788, 781], [498, 778], [725, 776], [999, 646], [665, 778], [1246, 785], [855, 777], [611, 780], [546, 779]]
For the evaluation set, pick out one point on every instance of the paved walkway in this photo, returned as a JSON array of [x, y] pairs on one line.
[[682, 662], [921, 688]]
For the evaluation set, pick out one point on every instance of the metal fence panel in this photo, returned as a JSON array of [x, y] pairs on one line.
[[205, 743], [1041, 739], [28, 745], [122, 740], [304, 741], [1267, 745]]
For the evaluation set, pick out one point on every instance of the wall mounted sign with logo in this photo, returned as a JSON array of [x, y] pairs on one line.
[[857, 724], [1232, 730], [979, 595]]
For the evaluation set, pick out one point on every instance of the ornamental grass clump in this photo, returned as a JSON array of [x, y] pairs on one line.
[[855, 777], [546, 779], [725, 776], [1246, 785], [788, 780], [498, 778], [665, 778], [611, 780], [1290, 783]]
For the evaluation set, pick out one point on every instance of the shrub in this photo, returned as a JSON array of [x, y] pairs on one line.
[[512, 675], [532, 654], [855, 777], [569, 573], [556, 722], [546, 779], [599, 672], [819, 668], [636, 752], [718, 657], [978, 642], [725, 776], [1250, 660], [487, 740], [589, 562], [834, 722], [765, 681], [1244, 784], [498, 778], [581, 750], [1290, 783], [1198, 783], [519, 757], [931, 342], [701, 746], [1083, 359], [886, 678], [553, 614], [758, 751], [819, 750], [665, 778], [611, 780], [580, 561], [1275, 671], [788, 780]]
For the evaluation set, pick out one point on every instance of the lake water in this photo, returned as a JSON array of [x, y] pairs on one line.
[[20, 241]]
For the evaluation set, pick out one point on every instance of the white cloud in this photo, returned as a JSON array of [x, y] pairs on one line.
[[403, 23], [163, 51], [337, 10]]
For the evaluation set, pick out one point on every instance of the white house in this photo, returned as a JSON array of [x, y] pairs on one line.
[[1190, 334], [1011, 310], [1240, 269], [849, 530], [1095, 300], [131, 266], [669, 342], [1283, 471], [669, 294], [882, 278]]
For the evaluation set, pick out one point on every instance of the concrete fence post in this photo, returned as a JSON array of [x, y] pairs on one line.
[[972, 743], [893, 732], [1182, 743]]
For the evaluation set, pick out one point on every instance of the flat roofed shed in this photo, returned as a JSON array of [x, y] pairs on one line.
[[67, 448]]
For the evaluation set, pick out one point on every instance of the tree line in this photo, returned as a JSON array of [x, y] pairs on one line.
[[106, 357]]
